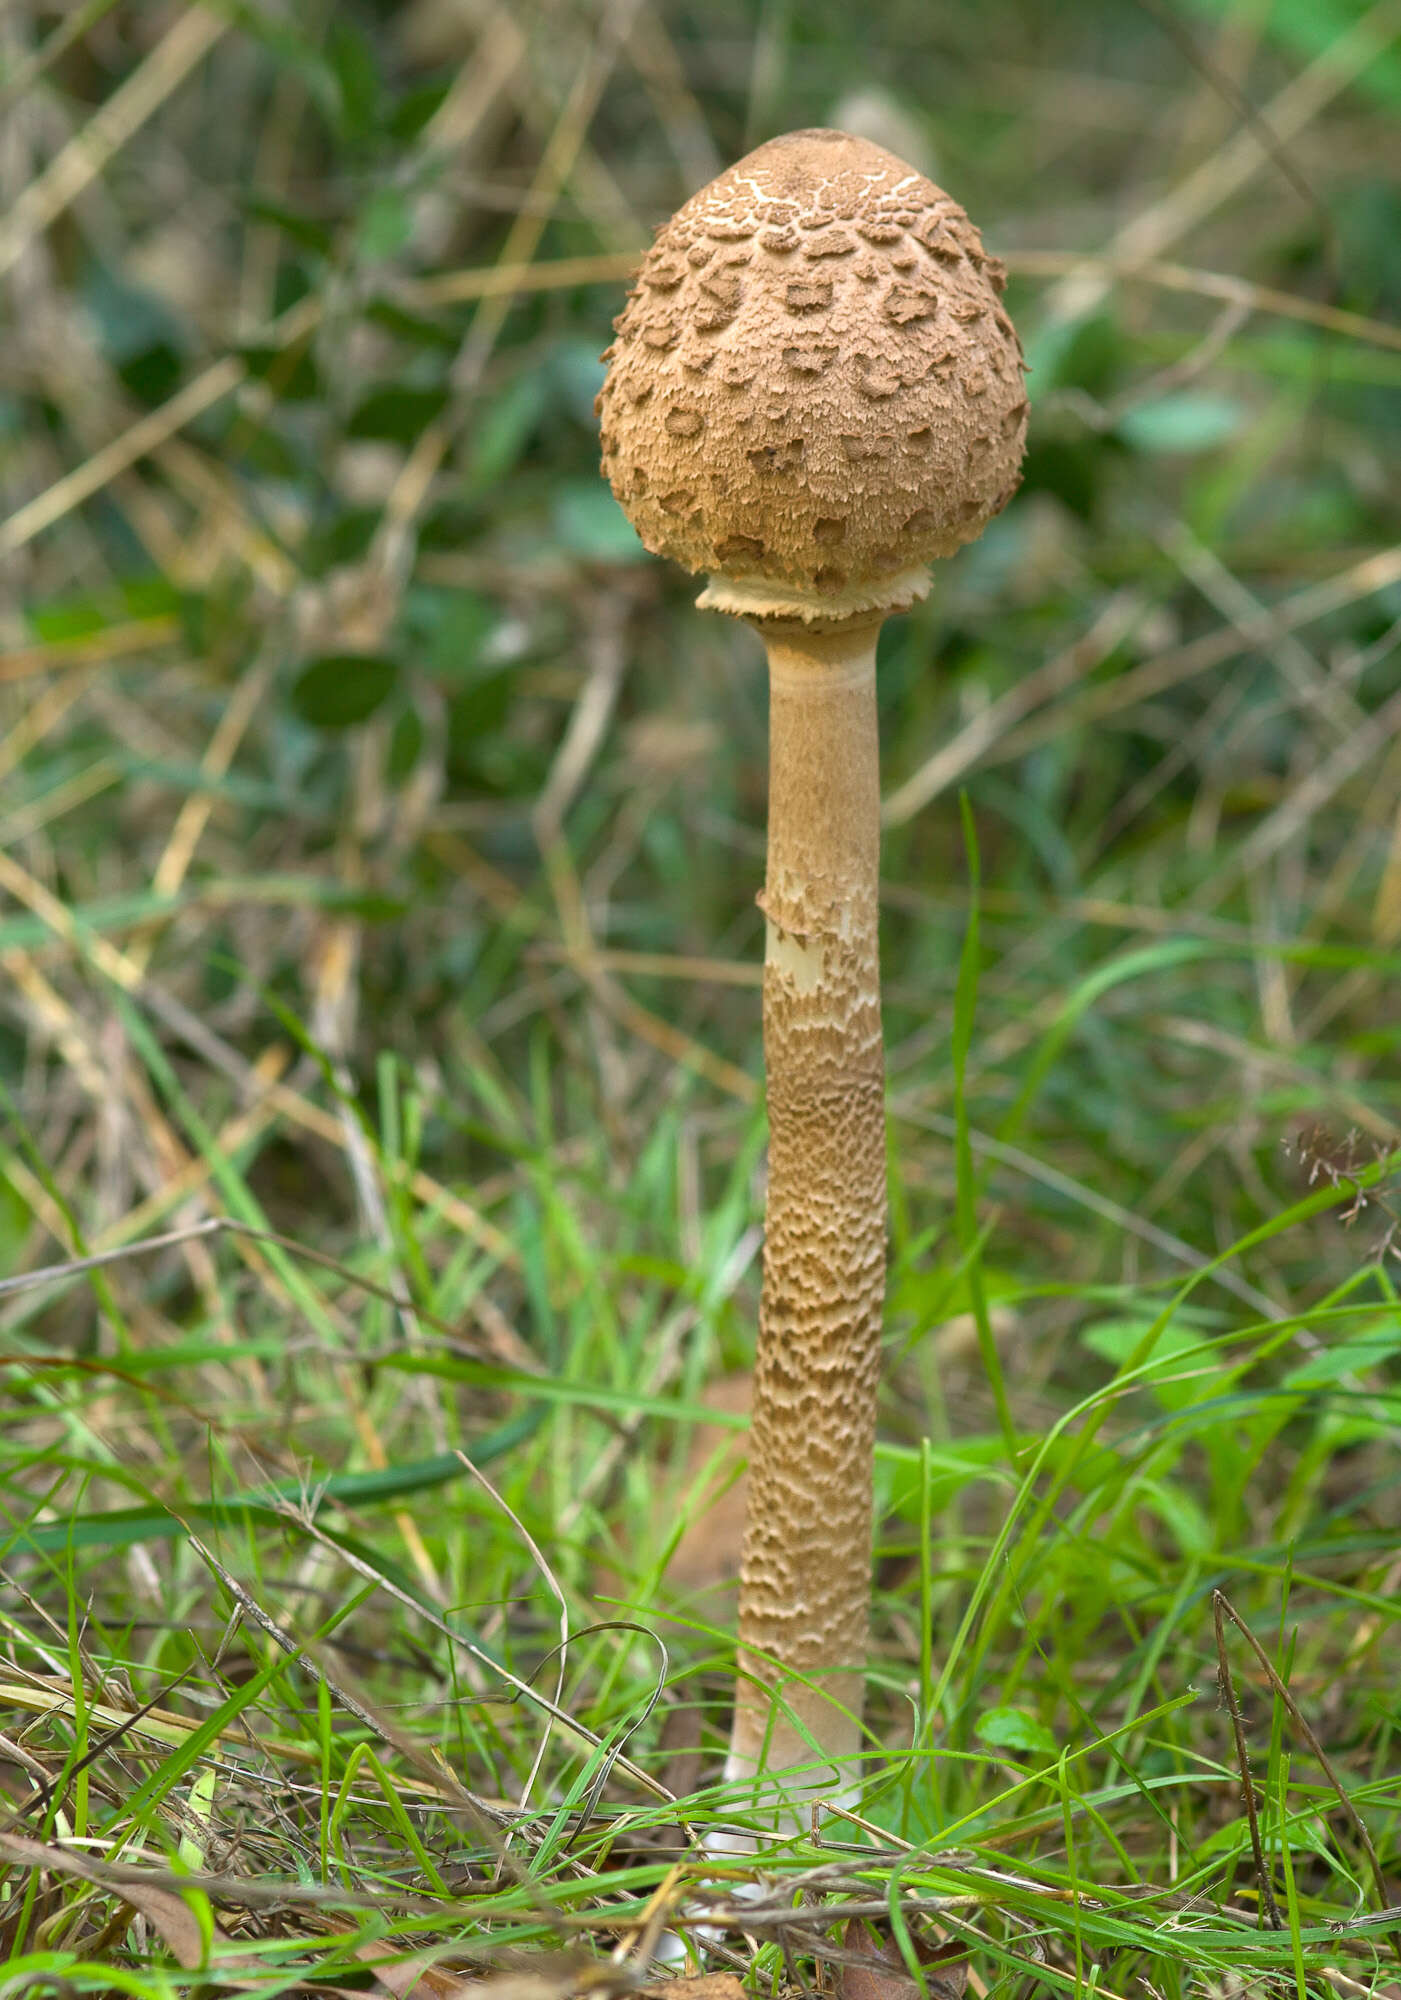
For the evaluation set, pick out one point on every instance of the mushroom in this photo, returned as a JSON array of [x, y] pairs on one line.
[[814, 391]]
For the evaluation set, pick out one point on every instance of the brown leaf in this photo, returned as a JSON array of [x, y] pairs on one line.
[[420, 1975], [165, 1909], [416, 1976], [695, 1986], [707, 1555], [883, 1975]]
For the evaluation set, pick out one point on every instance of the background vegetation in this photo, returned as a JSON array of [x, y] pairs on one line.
[[379, 836]]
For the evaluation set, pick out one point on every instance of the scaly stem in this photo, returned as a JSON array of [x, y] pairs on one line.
[[806, 1570]]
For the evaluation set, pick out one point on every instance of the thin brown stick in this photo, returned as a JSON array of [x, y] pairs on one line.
[[1374, 573], [1227, 1690], [89, 648], [87, 153], [117, 966], [295, 1649], [229, 373], [1233, 164], [1303, 800], [644, 1779], [456, 287], [1210, 285], [1224, 1608], [1062, 671]]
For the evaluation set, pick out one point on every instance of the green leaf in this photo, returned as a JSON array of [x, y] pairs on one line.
[[16, 1220], [131, 320], [385, 226], [965, 1173], [477, 713], [119, 1527], [1356, 1356], [341, 689], [1303, 1837], [343, 538], [290, 372], [452, 626], [302, 229], [947, 1469], [69, 618], [184, 1756], [1176, 1353], [353, 66], [1192, 421], [1085, 353], [420, 331], [77, 617], [1179, 1513], [589, 522], [153, 376], [503, 429], [413, 111], [405, 745], [151, 596], [1138, 962], [1307, 27], [1014, 1729], [396, 413]]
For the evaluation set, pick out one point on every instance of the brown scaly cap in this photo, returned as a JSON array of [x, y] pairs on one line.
[[815, 389]]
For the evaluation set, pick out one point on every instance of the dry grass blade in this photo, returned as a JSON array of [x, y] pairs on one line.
[[506, 281], [663, 1035], [551, 1584], [116, 642], [1248, 1796], [144, 436], [378, 837], [1023, 1162], [420, 1975], [1222, 285], [45, 1793], [557, 162], [163, 1907], [250, 1893], [517, 279], [123, 972], [194, 816], [1313, 687], [656, 58], [664, 965], [1367, 578], [499, 1344], [872, 1970], [56, 44], [523, 1688], [391, 549], [588, 721], [492, 69], [1288, 114], [190, 38], [948, 764], [429, 1769], [1296, 810], [1225, 1609]]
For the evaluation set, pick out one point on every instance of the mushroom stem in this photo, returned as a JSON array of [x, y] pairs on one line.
[[806, 1569], [815, 392]]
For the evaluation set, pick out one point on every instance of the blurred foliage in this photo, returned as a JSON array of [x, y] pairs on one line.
[[352, 748]]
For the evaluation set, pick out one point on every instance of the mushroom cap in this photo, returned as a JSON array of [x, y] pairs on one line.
[[814, 390]]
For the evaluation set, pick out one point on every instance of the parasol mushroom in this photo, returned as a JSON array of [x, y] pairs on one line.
[[814, 391]]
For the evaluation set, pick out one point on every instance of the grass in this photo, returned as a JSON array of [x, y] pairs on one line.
[[381, 1140]]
